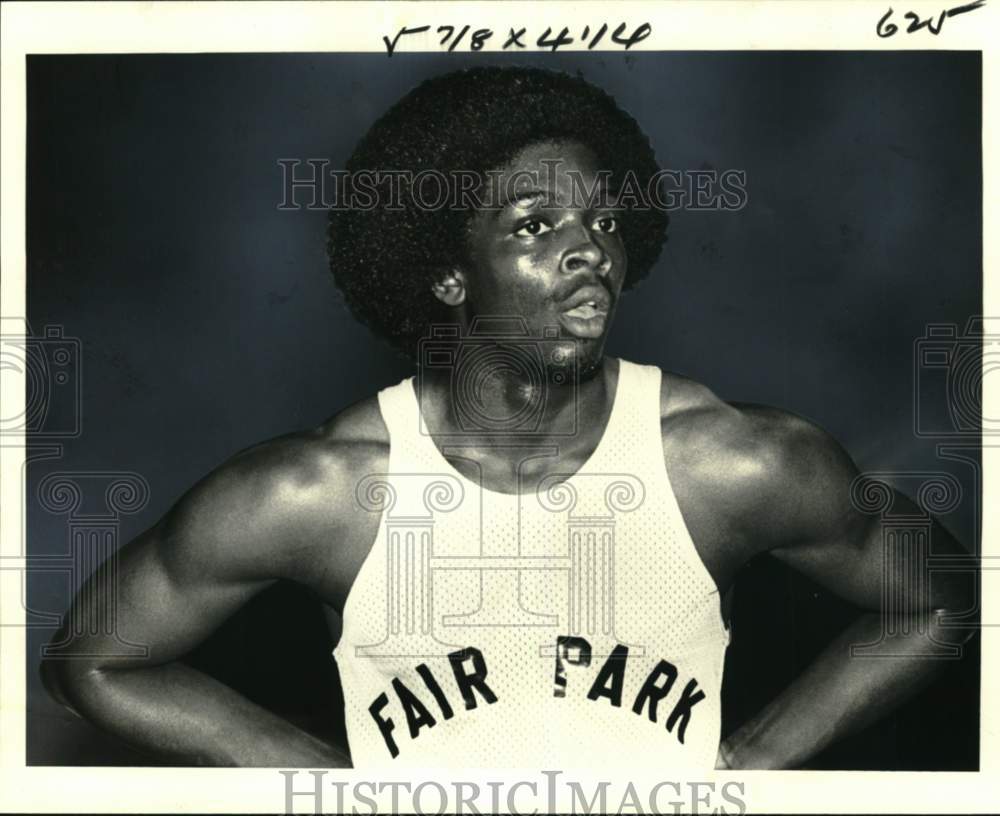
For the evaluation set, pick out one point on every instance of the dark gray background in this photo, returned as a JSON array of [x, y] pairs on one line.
[[208, 320]]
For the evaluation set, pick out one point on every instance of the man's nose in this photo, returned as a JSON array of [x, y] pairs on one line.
[[586, 253]]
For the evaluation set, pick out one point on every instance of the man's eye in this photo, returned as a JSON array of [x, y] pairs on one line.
[[607, 223], [533, 228]]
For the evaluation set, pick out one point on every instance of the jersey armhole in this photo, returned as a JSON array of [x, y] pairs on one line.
[[690, 551]]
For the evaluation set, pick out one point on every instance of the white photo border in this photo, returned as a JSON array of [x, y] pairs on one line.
[[230, 27]]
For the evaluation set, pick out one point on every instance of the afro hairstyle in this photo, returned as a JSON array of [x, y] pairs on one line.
[[385, 259]]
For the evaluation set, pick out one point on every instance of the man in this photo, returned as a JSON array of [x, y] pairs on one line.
[[528, 542]]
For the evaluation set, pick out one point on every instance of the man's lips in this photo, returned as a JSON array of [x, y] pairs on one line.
[[585, 314], [587, 311], [588, 302]]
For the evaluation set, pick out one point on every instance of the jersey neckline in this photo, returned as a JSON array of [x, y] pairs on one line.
[[614, 419]]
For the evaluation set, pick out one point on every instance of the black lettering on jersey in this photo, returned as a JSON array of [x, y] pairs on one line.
[[385, 725], [611, 678], [472, 680], [435, 689], [582, 658], [417, 715], [652, 691], [682, 711]]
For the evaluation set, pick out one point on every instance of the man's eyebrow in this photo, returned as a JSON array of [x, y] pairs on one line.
[[522, 199], [601, 197]]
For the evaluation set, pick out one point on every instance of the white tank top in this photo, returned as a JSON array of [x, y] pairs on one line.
[[574, 626]]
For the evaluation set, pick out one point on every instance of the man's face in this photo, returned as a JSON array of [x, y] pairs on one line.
[[551, 254]]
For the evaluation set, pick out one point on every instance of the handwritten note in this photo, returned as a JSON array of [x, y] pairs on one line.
[[886, 28], [450, 37]]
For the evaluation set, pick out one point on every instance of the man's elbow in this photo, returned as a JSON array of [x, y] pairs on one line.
[[953, 625], [954, 602], [68, 680]]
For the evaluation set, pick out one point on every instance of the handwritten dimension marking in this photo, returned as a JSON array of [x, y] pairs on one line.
[[448, 39]]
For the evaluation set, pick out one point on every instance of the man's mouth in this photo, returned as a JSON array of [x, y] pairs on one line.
[[587, 311], [587, 316]]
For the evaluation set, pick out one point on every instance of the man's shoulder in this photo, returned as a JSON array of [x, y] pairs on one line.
[[745, 454], [273, 501], [692, 414], [323, 463]]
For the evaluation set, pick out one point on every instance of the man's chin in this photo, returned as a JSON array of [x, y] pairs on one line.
[[582, 360]]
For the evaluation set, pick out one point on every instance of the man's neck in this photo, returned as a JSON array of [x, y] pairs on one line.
[[506, 405]]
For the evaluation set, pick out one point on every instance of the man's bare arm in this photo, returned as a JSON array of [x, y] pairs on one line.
[[254, 521], [812, 525]]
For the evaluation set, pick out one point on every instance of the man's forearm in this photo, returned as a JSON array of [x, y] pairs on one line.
[[838, 695], [177, 711]]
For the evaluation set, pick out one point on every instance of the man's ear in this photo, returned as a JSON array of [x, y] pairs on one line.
[[450, 288]]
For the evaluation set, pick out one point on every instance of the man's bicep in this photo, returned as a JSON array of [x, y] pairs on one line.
[[834, 541], [173, 594], [820, 531], [173, 585], [849, 561]]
